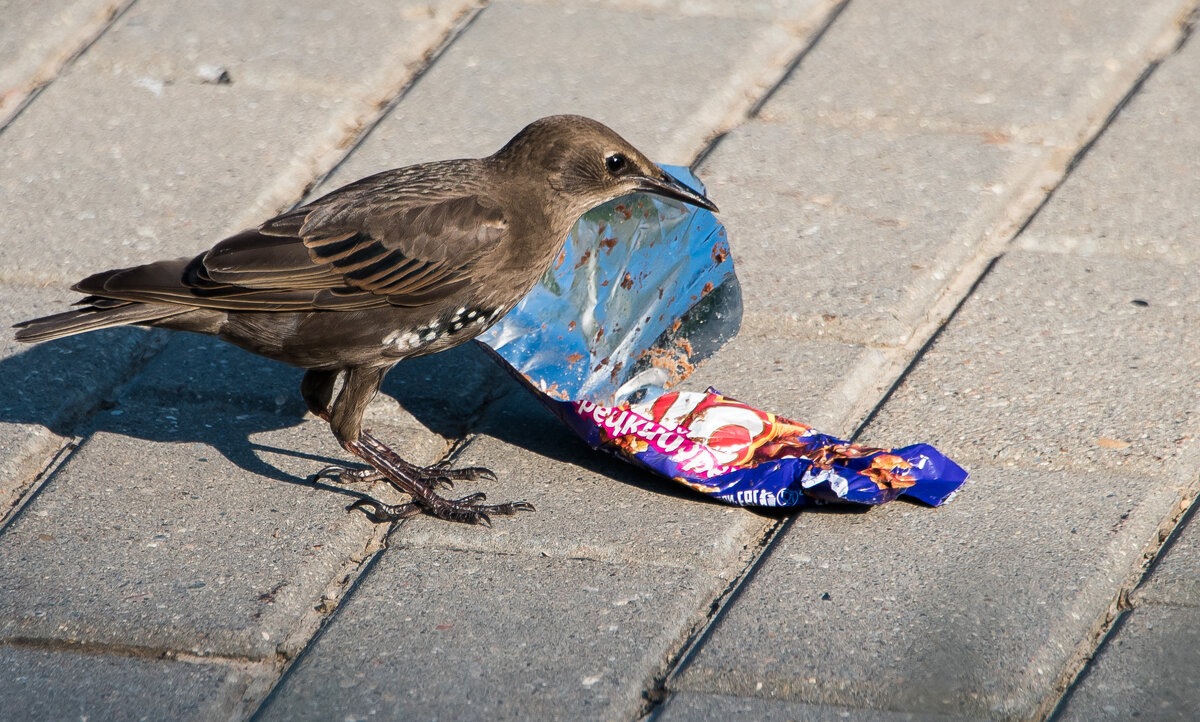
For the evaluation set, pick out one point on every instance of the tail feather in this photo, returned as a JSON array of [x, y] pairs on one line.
[[90, 318]]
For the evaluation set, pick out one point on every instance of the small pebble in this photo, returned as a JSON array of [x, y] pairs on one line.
[[215, 74]]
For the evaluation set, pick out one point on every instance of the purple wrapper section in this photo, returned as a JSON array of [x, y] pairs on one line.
[[823, 469], [919, 471]]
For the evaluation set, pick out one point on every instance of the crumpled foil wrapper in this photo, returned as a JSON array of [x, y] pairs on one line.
[[644, 291]]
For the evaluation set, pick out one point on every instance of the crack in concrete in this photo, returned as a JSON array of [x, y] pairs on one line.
[[54, 66], [309, 628], [80, 415], [354, 128], [748, 108], [658, 691], [25, 494]]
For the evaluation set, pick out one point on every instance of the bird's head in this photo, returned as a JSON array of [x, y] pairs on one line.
[[587, 164]]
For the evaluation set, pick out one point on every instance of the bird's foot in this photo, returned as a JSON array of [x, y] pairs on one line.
[[420, 482], [466, 510]]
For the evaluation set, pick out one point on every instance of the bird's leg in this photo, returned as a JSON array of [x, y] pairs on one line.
[[317, 389], [345, 418]]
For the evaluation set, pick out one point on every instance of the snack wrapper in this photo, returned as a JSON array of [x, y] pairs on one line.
[[643, 291]]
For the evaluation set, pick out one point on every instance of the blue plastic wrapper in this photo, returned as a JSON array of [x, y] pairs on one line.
[[643, 291]]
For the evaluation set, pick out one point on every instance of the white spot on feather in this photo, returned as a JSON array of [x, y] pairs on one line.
[[402, 342]]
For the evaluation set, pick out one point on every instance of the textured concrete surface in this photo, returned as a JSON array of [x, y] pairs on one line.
[[715, 708], [805, 379], [49, 387], [849, 234], [878, 166], [1146, 668], [485, 88], [163, 542], [986, 68], [1132, 195], [135, 152], [37, 39], [985, 393], [500, 636], [1147, 671], [1175, 578], [185, 521], [589, 505], [965, 610], [66, 685]]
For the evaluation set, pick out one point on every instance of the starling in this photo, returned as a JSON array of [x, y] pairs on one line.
[[400, 264]]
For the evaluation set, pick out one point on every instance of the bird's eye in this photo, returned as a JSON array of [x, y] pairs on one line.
[[616, 163]]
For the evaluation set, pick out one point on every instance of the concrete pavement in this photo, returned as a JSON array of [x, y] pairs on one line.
[[972, 224]]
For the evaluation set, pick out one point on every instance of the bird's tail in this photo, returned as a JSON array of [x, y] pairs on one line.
[[94, 313]]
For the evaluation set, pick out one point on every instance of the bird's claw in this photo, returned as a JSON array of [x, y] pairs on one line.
[[442, 470], [381, 512], [346, 475]]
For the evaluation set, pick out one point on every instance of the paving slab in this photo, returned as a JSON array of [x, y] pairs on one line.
[[37, 38], [56, 685], [1132, 196], [141, 150], [485, 87], [52, 385], [975, 66], [1058, 362], [498, 636], [848, 235], [1175, 578], [185, 521], [1147, 671], [971, 609], [692, 707]]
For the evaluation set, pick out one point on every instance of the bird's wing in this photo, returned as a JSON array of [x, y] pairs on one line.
[[410, 253], [366, 245]]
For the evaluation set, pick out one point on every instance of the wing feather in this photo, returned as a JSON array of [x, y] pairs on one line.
[[406, 238]]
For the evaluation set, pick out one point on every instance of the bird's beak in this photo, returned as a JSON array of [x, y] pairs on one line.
[[668, 186]]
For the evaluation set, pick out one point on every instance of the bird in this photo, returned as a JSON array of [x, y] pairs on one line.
[[400, 264]]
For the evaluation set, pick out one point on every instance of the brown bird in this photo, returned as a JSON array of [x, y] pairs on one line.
[[400, 264]]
